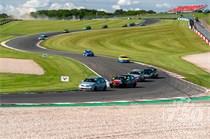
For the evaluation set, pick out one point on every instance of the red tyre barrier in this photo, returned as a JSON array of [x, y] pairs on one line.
[[202, 37]]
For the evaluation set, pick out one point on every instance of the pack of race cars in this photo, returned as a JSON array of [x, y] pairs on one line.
[[128, 80]]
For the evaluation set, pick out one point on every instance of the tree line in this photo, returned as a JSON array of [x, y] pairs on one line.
[[3, 15], [86, 13]]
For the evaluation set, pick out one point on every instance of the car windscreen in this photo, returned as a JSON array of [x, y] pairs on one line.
[[89, 80], [123, 57]]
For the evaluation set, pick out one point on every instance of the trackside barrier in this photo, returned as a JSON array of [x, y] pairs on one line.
[[114, 103], [202, 32]]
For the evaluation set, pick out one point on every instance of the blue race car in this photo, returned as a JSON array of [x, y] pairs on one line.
[[88, 53]]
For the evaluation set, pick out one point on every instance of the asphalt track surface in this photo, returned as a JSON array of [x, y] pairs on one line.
[[163, 87]]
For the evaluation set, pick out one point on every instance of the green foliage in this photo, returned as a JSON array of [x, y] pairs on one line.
[[105, 26], [3, 15]]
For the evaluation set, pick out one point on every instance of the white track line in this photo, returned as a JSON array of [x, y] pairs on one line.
[[6, 46], [39, 45]]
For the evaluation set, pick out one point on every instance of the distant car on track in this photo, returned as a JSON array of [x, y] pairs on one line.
[[131, 24], [123, 59], [138, 74], [88, 53], [150, 73], [123, 81], [93, 84], [42, 37]]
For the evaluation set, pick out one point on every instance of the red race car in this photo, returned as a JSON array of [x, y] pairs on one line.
[[123, 81]]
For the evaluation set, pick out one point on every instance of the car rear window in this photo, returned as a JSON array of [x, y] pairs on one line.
[[147, 71], [89, 80], [134, 72]]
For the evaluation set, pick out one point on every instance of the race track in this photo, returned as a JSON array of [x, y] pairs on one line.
[[163, 87]]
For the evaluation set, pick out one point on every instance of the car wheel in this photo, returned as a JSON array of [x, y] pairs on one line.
[[95, 88], [134, 85], [104, 89]]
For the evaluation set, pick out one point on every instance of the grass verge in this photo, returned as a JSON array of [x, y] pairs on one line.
[[54, 66]]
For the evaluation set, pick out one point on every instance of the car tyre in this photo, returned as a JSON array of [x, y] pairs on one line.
[[95, 88], [134, 85], [104, 89]]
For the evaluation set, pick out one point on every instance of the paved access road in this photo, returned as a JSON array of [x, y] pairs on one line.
[[164, 87]]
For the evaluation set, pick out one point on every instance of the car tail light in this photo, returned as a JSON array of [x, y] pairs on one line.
[[117, 82]]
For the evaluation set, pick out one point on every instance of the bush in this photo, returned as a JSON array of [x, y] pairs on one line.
[[125, 25], [88, 28], [105, 26], [66, 31]]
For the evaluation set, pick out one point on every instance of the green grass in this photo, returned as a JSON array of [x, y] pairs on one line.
[[207, 18], [162, 45], [37, 26], [54, 67]]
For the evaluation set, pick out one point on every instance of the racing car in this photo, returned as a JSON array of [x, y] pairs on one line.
[[42, 37], [93, 84], [88, 53], [150, 73], [123, 59], [125, 80], [138, 74]]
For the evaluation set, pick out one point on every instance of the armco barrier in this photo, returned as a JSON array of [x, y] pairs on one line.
[[202, 32]]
